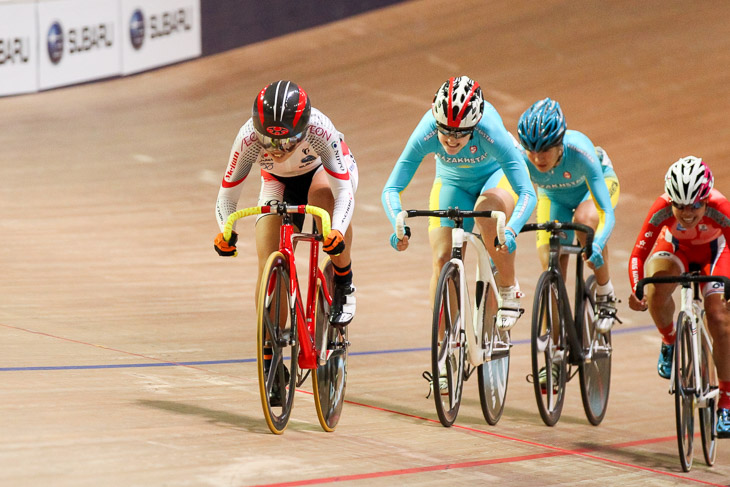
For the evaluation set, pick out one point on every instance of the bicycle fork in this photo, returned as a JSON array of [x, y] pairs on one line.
[[692, 309], [473, 317]]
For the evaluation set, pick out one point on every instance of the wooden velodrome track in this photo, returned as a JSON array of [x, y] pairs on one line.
[[127, 346]]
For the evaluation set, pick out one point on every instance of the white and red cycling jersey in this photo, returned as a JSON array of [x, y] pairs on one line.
[[704, 244], [323, 147]]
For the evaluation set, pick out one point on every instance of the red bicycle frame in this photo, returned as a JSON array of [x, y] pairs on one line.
[[305, 320], [287, 237]]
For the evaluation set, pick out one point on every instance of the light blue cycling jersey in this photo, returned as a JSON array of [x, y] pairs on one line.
[[579, 171], [490, 149]]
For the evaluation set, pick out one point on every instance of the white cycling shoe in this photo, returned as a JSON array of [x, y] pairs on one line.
[[605, 312], [509, 309]]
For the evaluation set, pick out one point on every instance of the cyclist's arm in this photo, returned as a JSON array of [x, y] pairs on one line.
[[597, 186], [405, 168], [327, 142], [721, 205], [515, 169], [659, 215], [243, 155]]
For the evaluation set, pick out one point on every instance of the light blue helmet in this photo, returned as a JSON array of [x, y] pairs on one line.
[[542, 126]]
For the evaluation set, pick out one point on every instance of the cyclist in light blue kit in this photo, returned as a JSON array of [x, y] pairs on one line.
[[575, 182], [478, 166]]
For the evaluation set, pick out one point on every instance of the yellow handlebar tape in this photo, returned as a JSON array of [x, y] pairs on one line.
[[257, 210]]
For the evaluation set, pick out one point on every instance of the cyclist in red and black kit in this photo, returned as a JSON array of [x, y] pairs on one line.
[[303, 160], [689, 224]]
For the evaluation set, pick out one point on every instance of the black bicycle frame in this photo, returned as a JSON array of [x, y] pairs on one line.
[[556, 250]]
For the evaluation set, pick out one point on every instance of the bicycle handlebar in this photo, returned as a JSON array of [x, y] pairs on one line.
[[280, 209], [556, 226], [453, 214], [682, 278]]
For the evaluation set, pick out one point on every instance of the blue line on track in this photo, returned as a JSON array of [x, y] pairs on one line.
[[249, 360]]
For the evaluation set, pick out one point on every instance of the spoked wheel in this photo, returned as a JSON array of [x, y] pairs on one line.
[[684, 387], [447, 346], [549, 349], [330, 377], [277, 344], [708, 417], [595, 371], [493, 374]]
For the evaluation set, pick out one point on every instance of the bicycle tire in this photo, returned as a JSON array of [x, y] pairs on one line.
[[595, 375], [684, 388], [448, 347], [548, 347], [493, 374], [329, 378], [708, 417], [276, 329]]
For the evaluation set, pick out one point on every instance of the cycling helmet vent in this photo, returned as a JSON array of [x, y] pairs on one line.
[[458, 103], [281, 110], [542, 126], [688, 181]]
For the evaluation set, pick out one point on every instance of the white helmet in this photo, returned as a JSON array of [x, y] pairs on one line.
[[688, 181], [458, 104]]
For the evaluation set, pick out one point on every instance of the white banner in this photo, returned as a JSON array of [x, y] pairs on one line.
[[79, 41], [159, 32], [18, 48]]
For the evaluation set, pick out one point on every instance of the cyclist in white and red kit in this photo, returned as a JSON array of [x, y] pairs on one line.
[[688, 224], [303, 160]]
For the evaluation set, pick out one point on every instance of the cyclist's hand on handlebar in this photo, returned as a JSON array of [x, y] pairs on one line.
[[510, 244], [596, 257], [400, 245], [637, 305], [334, 243], [226, 249]]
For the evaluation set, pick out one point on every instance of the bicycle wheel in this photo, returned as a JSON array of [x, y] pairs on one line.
[[595, 374], [708, 417], [493, 375], [277, 332], [330, 377], [447, 346], [684, 388], [549, 346]]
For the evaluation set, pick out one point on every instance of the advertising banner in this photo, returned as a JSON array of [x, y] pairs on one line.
[[78, 41], [159, 32], [18, 48]]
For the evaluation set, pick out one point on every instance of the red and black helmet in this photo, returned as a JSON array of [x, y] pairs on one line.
[[281, 111]]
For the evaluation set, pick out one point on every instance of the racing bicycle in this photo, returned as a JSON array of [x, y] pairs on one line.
[[298, 332], [693, 380], [563, 339], [458, 348]]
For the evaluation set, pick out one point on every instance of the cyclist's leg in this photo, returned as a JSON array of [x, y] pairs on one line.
[[551, 210], [320, 194], [542, 238], [665, 261], [497, 194], [718, 324], [440, 240], [445, 193], [267, 226]]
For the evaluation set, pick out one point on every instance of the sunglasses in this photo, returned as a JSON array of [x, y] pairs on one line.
[[287, 145], [454, 132], [694, 206]]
